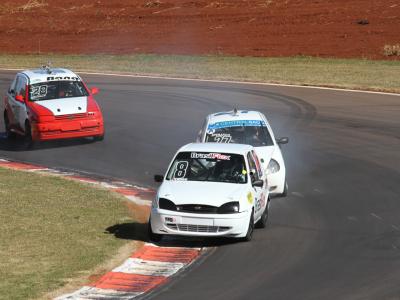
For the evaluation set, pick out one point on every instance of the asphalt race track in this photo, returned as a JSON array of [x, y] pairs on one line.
[[337, 234]]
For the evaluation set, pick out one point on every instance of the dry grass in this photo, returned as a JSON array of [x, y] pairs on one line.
[[28, 6], [32, 4], [391, 50], [57, 237], [153, 3]]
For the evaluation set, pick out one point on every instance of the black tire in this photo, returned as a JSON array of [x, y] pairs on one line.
[[250, 229], [9, 134], [153, 237], [285, 191], [98, 138], [262, 223], [28, 141]]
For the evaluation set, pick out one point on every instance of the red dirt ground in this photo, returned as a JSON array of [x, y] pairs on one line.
[[327, 28]]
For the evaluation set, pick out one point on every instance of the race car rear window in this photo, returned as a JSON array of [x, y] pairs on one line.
[[56, 90], [249, 132], [208, 166]]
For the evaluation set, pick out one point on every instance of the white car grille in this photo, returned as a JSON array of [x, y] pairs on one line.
[[197, 228]]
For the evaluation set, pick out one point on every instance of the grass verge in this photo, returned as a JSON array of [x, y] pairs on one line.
[[342, 73], [51, 230]]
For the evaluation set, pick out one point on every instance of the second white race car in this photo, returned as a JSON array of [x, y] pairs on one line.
[[252, 128]]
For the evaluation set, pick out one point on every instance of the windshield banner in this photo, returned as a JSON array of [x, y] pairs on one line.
[[236, 123], [210, 156]]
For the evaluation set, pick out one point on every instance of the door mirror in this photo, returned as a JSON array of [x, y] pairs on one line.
[[258, 183], [282, 140], [20, 98], [94, 90], [11, 91], [158, 178]]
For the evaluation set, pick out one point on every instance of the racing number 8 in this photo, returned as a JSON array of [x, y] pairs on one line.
[[181, 169]]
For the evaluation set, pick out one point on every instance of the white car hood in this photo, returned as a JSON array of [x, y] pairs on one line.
[[65, 106], [201, 192]]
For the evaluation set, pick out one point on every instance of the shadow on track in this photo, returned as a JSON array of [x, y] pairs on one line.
[[18, 144], [138, 232]]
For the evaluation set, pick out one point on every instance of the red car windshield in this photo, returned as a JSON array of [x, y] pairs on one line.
[[56, 89]]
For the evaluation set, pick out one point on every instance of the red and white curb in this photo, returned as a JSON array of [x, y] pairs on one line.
[[136, 194], [146, 269]]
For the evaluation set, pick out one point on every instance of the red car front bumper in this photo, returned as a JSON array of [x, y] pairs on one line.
[[66, 129]]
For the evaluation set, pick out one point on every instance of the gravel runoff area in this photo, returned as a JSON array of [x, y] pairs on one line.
[[335, 28]]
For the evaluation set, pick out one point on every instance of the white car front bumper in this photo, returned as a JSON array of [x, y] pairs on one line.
[[191, 224]]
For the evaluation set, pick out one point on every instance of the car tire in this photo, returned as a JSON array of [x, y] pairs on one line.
[[28, 140], [98, 138], [9, 134], [285, 190], [250, 229], [262, 223], [153, 237]]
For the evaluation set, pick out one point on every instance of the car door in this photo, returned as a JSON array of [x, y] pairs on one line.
[[257, 192], [10, 103], [19, 108]]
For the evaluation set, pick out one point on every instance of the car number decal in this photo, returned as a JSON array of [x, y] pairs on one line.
[[38, 91], [181, 169], [222, 137]]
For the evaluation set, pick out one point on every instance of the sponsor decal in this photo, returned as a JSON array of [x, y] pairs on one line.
[[210, 156], [250, 197], [235, 123], [54, 78]]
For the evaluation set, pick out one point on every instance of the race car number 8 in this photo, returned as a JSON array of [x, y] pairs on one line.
[[181, 169]]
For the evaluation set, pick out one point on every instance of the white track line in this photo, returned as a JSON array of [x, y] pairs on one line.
[[227, 81]]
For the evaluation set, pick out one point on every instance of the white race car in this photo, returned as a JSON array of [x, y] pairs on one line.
[[250, 127], [211, 190]]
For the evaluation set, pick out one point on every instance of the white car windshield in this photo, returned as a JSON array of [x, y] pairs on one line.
[[249, 132], [208, 166], [56, 90]]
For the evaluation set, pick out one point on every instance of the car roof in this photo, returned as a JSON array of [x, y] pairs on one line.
[[43, 74], [235, 115], [216, 147]]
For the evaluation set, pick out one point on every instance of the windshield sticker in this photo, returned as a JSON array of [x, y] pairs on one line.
[[250, 198], [181, 169], [210, 156], [244, 172], [221, 137], [236, 123], [38, 91], [54, 78]]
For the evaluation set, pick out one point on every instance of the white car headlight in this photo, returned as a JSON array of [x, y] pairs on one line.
[[273, 167]]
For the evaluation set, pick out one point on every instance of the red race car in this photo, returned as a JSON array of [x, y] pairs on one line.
[[47, 104]]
